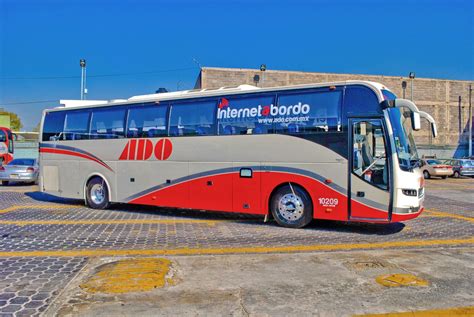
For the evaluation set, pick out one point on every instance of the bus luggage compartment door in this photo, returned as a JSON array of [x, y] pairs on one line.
[[246, 188], [369, 172]]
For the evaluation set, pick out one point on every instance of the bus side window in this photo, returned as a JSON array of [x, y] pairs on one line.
[[245, 115], [193, 118], [76, 125], [309, 112], [147, 121], [108, 123], [53, 126]]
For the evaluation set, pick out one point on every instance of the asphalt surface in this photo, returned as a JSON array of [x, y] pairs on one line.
[[48, 245]]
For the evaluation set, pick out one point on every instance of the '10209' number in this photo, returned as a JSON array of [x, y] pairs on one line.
[[328, 201]]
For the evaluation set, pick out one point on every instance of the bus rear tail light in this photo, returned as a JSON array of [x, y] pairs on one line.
[[30, 169]]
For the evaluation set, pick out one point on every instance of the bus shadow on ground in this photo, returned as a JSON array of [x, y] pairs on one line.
[[251, 220]]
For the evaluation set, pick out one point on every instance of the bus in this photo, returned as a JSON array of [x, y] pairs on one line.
[[337, 151], [6, 145]]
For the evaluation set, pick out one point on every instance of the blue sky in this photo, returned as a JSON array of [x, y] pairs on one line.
[[40, 39]]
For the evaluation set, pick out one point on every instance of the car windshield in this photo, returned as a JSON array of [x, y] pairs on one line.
[[433, 162], [25, 162], [467, 163], [403, 137]]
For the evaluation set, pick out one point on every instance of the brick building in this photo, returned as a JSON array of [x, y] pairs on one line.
[[446, 100]]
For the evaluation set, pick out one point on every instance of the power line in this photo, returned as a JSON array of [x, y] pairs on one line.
[[26, 102], [101, 75]]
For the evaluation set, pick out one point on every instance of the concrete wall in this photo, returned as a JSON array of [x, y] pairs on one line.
[[446, 100]]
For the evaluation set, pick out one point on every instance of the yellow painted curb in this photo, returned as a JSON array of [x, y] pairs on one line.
[[130, 275], [449, 312], [400, 280], [239, 250]]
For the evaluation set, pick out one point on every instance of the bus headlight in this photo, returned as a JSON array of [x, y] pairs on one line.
[[409, 192]]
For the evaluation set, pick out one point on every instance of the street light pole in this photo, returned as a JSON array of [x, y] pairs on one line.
[[82, 63], [412, 78], [470, 120]]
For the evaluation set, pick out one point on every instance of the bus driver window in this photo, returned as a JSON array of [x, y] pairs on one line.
[[369, 158]]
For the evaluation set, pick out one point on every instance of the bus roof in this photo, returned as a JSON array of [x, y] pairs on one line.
[[222, 91]]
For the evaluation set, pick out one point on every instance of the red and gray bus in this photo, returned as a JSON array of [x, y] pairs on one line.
[[6, 146], [338, 151]]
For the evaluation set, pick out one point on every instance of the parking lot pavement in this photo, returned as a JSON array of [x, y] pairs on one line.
[[46, 241]]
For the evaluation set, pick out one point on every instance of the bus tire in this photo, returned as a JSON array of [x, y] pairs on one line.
[[97, 194], [5, 183], [291, 206]]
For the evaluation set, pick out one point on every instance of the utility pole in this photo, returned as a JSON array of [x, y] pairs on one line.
[[470, 120], [412, 77], [82, 63]]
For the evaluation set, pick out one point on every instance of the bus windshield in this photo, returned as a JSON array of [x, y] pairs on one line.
[[403, 137], [3, 136]]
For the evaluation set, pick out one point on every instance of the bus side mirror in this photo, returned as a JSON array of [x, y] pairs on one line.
[[415, 121], [434, 130]]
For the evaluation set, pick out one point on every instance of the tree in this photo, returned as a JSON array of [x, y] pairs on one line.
[[15, 121]]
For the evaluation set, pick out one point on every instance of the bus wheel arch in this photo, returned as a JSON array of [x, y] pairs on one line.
[[97, 183], [297, 196]]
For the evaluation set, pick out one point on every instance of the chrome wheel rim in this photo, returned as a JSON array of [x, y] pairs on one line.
[[97, 194], [291, 207]]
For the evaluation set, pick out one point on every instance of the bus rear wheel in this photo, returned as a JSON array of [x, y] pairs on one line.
[[291, 206], [97, 194]]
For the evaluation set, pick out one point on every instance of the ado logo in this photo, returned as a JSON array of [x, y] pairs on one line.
[[143, 149]]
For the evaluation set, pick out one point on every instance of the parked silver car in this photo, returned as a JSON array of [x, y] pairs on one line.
[[20, 170], [462, 167]]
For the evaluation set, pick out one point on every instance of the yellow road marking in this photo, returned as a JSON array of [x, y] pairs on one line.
[[449, 312], [104, 222], [400, 280], [130, 275], [441, 214], [13, 208], [238, 250]]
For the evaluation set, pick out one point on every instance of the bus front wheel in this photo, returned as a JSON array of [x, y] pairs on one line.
[[97, 195], [291, 206]]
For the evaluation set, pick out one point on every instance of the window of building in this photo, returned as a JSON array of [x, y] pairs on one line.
[[147, 121], [53, 125], [193, 118], [108, 123], [309, 112], [245, 115]]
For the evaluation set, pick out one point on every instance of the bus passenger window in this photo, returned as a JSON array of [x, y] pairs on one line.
[[194, 118], [77, 125], [108, 123], [147, 121], [53, 126], [369, 160], [244, 115], [309, 112]]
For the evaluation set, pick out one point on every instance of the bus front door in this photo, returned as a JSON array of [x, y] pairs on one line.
[[369, 172]]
